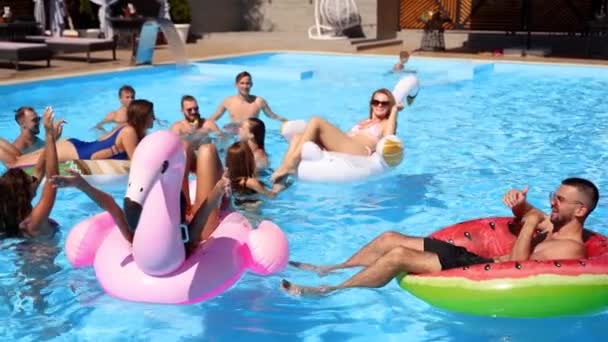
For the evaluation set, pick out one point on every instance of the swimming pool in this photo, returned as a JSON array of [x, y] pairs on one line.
[[476, 130]]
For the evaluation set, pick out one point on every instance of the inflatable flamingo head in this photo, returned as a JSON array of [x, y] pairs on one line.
[[158, 157]]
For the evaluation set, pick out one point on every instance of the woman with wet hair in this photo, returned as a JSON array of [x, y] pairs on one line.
[[242, 173], [253, 132], [18, 217]]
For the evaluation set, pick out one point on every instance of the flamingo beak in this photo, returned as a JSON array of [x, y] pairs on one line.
[[133, 211]]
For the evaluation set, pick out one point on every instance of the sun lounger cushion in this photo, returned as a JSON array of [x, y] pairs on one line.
[[15, 52], [73, 44]]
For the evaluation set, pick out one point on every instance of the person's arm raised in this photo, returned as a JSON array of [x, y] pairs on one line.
[[221, 109], [523, 245], [516, 200], [40, 213], [38, 170], [102, 199], [58, 128], [391, 126]]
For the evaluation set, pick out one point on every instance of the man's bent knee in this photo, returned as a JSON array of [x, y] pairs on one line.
[[399, 253], [390, 235], [411, 260], [316, 120]]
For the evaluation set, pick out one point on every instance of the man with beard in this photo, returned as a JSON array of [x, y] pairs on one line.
[[28, 140], [194, 132], [560, 237], [193, 127]]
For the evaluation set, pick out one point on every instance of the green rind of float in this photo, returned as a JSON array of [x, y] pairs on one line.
[[62, 168], [535, 296]]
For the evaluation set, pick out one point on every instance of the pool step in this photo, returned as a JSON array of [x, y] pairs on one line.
[[265, 72], [522, 51], [372, 43]]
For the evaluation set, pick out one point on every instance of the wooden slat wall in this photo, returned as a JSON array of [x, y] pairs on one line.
[[496, 15], [502, 15], [410, 11], [557, 15]]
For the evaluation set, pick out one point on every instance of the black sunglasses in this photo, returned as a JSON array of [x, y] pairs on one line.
[[193, 109], [378, 103]]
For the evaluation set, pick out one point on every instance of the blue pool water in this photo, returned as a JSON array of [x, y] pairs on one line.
[[476, 130]]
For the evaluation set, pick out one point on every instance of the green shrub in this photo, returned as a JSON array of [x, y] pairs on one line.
[[180, 11]]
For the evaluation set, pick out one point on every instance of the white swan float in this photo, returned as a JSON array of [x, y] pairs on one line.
[[318, 165]]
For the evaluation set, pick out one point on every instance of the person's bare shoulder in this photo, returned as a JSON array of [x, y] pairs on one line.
[[260, 101], [128, 129], [228, 101], [120, 115], [19, 143], [111, 116], [177, 127]]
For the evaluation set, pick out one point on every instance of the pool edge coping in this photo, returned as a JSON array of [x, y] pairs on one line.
[[229, 55]]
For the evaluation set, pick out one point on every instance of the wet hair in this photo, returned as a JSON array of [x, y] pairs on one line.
[[126, 88], [258, 130], [15, 201], [20, 113], [187, 98], [386, 92], [138, 114], [240, 163], [589, 191], [241, 75], [404, 55]]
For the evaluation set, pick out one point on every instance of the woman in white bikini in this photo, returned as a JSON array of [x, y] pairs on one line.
[[360, 140]]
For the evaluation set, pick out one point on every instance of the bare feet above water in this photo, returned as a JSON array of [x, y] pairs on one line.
[[297, 290], [321, 271]]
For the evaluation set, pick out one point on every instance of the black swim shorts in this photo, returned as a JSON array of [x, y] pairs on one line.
[[451, 256]]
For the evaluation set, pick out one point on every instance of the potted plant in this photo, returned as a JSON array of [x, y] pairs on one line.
[[180, 14]]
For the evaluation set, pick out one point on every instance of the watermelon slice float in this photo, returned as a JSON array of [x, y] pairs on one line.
[[514, 289]]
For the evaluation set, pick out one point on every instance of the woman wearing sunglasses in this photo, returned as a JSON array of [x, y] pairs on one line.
[[360, 140]]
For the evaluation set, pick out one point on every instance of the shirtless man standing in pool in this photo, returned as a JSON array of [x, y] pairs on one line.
[[126, 94], [560, 237], [243, 105]]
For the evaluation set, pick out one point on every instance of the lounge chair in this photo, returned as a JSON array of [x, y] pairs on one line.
[[16, 52], [74, 44]]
